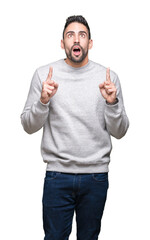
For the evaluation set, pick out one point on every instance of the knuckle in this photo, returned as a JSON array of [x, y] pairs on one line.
[[44, 84]]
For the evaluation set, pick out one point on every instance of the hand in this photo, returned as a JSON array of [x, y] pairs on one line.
[[108, 89], [49, 88]]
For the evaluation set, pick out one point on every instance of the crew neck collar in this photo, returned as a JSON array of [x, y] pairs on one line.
[[76, 68]]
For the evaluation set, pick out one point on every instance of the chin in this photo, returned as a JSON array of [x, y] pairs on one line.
[[77, 60]]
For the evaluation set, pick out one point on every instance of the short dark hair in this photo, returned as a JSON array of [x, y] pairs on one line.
[[79, 19]]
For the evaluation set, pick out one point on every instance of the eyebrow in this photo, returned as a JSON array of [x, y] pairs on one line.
[[79, 32]]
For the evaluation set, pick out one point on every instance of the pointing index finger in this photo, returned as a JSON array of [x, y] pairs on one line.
[[50, 74], [108, 75]]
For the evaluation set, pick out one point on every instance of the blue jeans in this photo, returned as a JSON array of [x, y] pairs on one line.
[[65, 193]]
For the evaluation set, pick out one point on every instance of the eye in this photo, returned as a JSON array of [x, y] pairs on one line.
[[82, 35], [70, 35]]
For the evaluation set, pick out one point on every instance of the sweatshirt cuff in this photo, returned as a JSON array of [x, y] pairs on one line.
[[113, 109], [116, 101], [41, 106]]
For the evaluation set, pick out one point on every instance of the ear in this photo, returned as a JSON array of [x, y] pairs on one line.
[[62, 44], [90, 43]]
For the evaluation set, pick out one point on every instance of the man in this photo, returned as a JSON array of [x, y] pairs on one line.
[[79, 104]]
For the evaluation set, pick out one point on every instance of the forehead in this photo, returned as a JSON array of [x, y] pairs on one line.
[[76, 27]]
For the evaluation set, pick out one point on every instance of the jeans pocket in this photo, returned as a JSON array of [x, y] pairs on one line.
[[100, 177], [51, 175]]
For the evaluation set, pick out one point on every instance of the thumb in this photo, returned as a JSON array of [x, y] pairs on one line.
[[101, 85], [56, 85]]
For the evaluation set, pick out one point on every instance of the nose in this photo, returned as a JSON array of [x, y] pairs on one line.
[[76, 39]]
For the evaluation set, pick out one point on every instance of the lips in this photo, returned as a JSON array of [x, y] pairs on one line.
[[76, 50]]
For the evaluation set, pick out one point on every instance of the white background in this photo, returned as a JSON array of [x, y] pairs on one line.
[[30, 37]]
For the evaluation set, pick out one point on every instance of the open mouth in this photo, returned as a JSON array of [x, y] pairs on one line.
[[76, 50]]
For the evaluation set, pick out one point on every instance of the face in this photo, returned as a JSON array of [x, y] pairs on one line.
[[76, 44]]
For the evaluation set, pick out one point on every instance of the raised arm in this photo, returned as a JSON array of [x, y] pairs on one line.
[[116, 118], [36, 109]]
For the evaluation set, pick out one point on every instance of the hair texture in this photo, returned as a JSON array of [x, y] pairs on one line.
[[79, 19]]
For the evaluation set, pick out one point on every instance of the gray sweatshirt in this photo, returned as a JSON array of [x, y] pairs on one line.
[[77, 122]]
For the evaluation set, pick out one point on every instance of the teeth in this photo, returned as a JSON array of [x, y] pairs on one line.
[[76, 49]]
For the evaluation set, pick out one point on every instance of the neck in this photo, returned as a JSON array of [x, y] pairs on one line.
[[77, 65]]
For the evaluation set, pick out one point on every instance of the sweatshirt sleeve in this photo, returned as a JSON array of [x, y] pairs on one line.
[[35, 113], [116, 119]]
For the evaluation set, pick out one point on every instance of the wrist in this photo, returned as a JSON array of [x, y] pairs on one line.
[[42, 101], [112, 103]]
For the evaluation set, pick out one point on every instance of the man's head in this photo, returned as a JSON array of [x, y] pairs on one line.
[[79, 19], [76, 40]]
